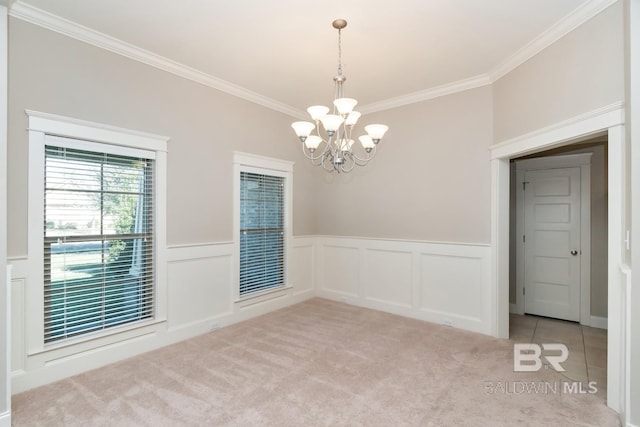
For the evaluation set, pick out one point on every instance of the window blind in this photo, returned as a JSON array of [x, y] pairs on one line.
[[261, 232], [98, 241]]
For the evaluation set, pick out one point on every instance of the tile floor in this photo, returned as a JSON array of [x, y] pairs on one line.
[[587, 346]]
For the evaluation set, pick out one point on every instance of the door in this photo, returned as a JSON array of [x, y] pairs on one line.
[[552, 243]]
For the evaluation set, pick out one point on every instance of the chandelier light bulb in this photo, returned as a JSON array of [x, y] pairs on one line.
[[352, 118], [303, 129], [376, 132], [312, 142], [367, 142], [331, 122], [345, 105], [318, 111]]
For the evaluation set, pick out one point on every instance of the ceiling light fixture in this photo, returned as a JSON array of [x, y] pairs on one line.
[[338, 152]]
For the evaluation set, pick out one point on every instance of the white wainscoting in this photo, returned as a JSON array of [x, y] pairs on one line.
[[445, 283], [200, 298], [5, 414], [439, 282]]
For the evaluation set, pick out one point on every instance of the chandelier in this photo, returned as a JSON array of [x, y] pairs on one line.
[[335, 151]]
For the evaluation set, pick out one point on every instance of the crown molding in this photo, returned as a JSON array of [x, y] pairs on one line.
[[425, 95], [36, 16], [560, 29], [79, 32]]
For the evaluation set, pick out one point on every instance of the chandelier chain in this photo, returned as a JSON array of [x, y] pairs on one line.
[[339, 52]]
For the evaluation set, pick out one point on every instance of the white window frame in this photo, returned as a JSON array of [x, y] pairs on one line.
[[243, 162], [41, 125]]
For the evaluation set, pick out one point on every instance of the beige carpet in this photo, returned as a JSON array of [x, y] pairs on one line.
[[318, 363]]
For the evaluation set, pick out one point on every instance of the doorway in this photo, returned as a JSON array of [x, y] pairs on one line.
[[607, 121], [559, 241]]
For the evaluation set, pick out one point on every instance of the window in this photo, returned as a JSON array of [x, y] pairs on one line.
[[261, 232], [98, 239], [96, 235], [263, 200]]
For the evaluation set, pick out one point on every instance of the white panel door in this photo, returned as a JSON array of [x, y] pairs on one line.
[[552, 243]]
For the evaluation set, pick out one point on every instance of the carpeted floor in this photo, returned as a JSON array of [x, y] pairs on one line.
[[318, 363]]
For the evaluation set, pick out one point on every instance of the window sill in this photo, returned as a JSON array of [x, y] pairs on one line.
[[99, 339], [261, 296]]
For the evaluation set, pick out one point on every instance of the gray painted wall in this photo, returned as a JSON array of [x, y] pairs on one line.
[[55, 74], [430, 180], [581, 72]]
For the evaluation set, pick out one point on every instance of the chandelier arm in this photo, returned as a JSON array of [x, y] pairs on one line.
[[304, 151], [309, 155], [364, 161], [330, 167], [324, 159], [352, 162], [317, 163], [361, 162], [346, 131], [321, 160]]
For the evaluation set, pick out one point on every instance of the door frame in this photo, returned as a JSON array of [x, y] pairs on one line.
[[5, 291], [582, 161], [608, 120]]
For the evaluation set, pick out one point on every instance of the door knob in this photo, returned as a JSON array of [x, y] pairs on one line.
[[574, 252]]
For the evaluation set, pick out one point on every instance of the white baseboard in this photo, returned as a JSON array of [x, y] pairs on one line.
[[432, 316], [5, 419], [200, 298], [598, 322], [444, 283]]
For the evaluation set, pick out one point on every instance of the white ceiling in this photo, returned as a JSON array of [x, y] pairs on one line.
[[286, 50]]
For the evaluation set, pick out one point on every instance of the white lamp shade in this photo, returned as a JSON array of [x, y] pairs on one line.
[[366, 141], [331, 122], [376, 131], [303, 129], [345, 144], [345, 105], [313, 141], [352, 118], [317, 111]]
